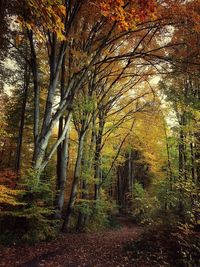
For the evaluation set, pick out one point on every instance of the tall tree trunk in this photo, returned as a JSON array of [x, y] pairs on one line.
[[192, 162], [119, 187], [77, 172], [35, 74], [182, 152], [87, 165], [169, 167], [192, 156], [82, 216], [62, 175], [197, 156], [97, 158], [59, 150], [130, 171], [62, 153], [21, 127]]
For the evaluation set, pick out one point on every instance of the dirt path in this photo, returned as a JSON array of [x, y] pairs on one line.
[[103, 249]]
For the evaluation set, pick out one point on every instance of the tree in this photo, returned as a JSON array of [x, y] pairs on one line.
[[60, 30]]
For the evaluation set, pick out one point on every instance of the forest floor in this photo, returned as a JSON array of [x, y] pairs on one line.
[[102, 249]]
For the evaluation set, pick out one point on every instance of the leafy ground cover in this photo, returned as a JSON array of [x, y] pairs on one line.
[[127, 245], [84, 249]]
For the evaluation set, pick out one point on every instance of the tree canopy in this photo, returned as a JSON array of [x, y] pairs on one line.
[[99, 117]]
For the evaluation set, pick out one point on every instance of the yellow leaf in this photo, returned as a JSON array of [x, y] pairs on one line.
[[63, 9]]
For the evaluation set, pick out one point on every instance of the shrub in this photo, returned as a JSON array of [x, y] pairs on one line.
[[144, 206], [31, 222], [162, 245], [99, 213]]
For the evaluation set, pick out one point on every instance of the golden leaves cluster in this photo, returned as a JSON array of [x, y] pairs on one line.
[[44, 15], [128, 15], [8, 196]]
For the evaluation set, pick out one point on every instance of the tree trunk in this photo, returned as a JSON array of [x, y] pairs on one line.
[[82, 216], [21, 127], [169, 167], [130, 171], [77, 172], [181, 155], [63, 154], [193, 163], [97, 159], [34, 69]]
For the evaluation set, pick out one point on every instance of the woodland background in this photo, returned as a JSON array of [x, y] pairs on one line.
[[99, 116]]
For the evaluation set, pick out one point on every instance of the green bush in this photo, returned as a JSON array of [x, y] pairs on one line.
[[180, 200], [144, 206], [173, 239], [102, 213], [38, 211], [99, 213], [31, 222]]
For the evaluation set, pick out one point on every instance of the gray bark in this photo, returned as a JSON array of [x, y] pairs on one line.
[[45, 159], [77, 172], [62, 176], [62, 154], [21, 127], [74, 84], [34, 68]]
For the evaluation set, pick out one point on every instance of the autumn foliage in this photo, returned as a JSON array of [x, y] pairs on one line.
[[128, 15], [100, 123]]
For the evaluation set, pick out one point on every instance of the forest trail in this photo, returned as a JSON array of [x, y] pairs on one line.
[[102, 249]]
